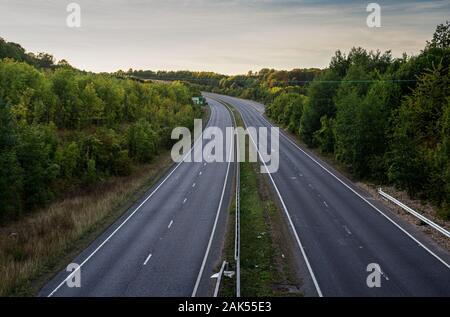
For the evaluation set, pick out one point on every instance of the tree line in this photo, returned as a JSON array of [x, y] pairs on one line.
[[61, 128], [263, 85], [386, 119]]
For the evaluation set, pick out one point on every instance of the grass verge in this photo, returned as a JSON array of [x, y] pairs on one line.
[[267, 267], [32, 249], [37, 246]]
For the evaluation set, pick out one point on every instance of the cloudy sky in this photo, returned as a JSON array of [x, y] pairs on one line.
[[226, 36]]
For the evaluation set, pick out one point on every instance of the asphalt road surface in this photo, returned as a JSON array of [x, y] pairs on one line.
[[341, 230], [169, 243]]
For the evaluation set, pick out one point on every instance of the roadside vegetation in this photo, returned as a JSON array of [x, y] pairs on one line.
[[267, 268], [39, 244], [385, 120], [62, 129], [264, 85], [76, 149]]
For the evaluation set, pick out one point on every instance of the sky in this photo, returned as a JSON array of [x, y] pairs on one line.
[[229, 37]]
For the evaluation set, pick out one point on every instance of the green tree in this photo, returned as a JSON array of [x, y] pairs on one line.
[[441, 37], [69, 105], [324, 137], [142, 141], [419, 137], [92, 110], [11, 174], [35, 152], [69, 157], [321, 94]]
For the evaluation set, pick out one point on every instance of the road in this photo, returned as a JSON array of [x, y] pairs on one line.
[[340, 230], [169, 243]]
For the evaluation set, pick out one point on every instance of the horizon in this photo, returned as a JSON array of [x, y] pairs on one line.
[[229, 38]]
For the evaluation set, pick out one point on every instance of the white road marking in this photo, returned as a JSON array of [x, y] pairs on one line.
[[193, 185], [200, 173], [325, 203], [364, 199], [346, 229], [316, 284], [128, 218], [148, 258], [184, 201], [199, 277], [170, 224]]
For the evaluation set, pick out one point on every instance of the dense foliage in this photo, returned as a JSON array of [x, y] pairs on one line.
[[264, 85], [386, 119], [61, 128]]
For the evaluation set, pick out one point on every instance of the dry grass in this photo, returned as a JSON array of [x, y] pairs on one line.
[[37, 245]]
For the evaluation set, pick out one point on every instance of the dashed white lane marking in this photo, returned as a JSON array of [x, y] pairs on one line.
[[204, 164], [199, 277], [170, 224], [200, 173], [364, 199], [184, 201], [346, 229], [126, 220], [325, 203], [148, 258], [193, 185]]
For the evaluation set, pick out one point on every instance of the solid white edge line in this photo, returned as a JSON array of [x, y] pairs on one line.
[[126, 220], [237, 247], [364, 199], [238, 217], [199, 277], [297, 238], [311, 272]]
